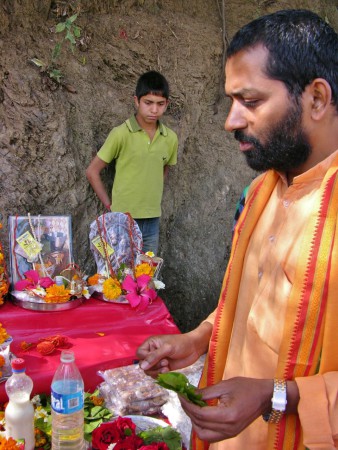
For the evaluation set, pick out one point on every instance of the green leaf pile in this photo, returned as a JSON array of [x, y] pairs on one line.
[[93, 415], [178, 382], [162, 434]]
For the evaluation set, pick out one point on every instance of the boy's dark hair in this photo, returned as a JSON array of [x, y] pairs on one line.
[[301, 46], [152, 83]]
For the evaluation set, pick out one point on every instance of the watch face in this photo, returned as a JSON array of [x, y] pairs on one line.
[[279, 399]]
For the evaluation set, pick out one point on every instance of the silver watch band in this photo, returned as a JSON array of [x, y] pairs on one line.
[[279, 402]]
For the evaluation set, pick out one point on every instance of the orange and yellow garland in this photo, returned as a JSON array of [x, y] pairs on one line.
[[4, 280]]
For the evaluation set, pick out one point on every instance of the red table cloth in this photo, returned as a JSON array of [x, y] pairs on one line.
[[102, 335]]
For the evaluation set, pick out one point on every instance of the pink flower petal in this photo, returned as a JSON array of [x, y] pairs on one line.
[[33, 275], [152, 294], [45, 282], [143, 303], [142, 281], [129, 284], [133, 299], [21, 285]]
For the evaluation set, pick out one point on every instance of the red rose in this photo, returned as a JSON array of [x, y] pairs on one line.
[[121, 431], [106, 434], [125, 426], [129, 443], [155, 446]]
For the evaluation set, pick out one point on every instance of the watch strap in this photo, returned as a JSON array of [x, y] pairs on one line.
[[278, 401]]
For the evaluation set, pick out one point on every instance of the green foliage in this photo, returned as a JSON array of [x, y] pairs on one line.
[[94, 415], [179, 383], [162, 434], [71, 33]]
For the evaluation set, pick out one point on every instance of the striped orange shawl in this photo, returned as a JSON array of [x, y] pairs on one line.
[[310, 336]]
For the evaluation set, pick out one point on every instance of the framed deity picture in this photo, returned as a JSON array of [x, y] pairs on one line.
[[42, 243]]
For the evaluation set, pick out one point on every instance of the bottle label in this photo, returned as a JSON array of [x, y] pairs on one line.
[[67, 403]]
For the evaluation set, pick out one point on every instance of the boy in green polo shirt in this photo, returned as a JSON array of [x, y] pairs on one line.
[[143, 149]]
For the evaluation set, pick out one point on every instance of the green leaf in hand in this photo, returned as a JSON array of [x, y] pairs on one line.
[[178, 382]]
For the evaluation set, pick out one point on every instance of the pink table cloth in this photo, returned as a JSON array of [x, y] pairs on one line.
[[102, 335]]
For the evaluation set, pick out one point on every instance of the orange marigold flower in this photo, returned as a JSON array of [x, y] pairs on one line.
[[26, 345], [111, 288], [8, 444], [57, 294], [45, 347], [94, 279], [144, 269], [2, 361], [3, 334], [97, 401]]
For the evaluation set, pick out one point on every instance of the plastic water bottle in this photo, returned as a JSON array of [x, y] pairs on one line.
[[67, 399], [19, 413]]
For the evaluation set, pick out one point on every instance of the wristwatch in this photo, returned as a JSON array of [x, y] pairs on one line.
[[278, 401]]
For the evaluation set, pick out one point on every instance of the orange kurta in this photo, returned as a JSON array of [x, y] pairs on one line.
[[264, 315]]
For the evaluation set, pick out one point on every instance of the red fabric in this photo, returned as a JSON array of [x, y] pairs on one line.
[[124, 330]]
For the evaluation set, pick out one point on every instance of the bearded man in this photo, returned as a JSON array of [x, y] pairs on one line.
[[271, 373]]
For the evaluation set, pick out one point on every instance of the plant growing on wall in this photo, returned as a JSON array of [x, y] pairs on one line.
[[69, 32]]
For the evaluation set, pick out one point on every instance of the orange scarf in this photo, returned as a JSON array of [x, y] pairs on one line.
[[310, 336]]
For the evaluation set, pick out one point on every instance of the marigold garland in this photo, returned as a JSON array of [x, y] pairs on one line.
[[57, 294], [112, 288], [4, 280]]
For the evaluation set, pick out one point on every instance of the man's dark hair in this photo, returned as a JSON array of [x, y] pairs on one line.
[[301, 46], [152, 83]]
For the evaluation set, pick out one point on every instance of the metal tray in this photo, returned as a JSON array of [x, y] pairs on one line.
[[99, 296], [47, 307]]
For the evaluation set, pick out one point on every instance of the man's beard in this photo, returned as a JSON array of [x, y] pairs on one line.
[[286, 147]]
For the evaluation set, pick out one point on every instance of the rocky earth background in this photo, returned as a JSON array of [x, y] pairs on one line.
[[49, 130]]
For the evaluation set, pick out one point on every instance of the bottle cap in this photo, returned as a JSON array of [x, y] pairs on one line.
[[18, 365], [59, 280], [67, 356]]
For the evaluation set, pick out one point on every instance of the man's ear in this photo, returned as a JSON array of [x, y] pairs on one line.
[[137, 103], [321, 94]]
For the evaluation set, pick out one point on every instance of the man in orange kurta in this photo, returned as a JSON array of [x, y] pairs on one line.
[[272, 341]]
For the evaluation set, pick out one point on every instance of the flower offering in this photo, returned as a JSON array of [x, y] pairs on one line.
[[123, 434], [124, 273], [68, 285]]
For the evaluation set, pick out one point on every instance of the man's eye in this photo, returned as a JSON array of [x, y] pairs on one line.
[[250, 103]]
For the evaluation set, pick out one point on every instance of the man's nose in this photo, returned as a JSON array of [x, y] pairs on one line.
[[236, 119]]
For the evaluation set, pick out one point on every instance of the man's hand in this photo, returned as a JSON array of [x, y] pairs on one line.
[[160, 354], [240, 402]]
